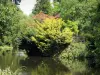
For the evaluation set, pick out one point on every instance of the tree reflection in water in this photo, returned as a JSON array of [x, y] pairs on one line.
[[49, 66]]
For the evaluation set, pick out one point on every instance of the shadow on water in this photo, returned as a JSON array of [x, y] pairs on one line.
[[49, 66], [44, 66]]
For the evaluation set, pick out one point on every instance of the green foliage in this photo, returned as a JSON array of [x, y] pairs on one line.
[[81, 18], [73, 26], [76, 10], [11, 28], [7, 17], [4, 49], [81, 11], [95, 42], [55, 9], [42, 5], [11, 59], [75, 50], [9, 62], [93, 30], [8, 71], [29, 22], [96, 31], [52, 34], [87, 13]]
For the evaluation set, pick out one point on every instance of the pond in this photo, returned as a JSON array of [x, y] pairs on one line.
[[49, 66]]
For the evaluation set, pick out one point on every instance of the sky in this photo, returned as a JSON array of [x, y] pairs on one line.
[[27, 5]]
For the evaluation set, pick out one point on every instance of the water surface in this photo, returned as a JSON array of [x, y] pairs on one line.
[[49, 66]]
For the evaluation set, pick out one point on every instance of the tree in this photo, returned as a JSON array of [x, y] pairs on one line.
[[42, 5], [87, 13], [10, 28]]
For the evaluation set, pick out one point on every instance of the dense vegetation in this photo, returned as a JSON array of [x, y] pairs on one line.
[[75, 28], [9, 24], [86, 12], [52, 34], [67, 29]]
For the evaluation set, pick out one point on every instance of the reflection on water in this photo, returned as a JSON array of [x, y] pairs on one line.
[[76, 67], [44, 66], [48, 66]]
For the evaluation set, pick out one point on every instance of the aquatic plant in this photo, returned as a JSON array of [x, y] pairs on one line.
[[8, 71], [12, 59], [4, 49]]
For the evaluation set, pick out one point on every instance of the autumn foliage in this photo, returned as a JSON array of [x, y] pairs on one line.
[[42, 16]]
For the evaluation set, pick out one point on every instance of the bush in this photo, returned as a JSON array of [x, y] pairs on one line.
[[75, 50], [51, 34]]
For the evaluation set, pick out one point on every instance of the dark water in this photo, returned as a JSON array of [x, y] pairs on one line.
[[49, 66]]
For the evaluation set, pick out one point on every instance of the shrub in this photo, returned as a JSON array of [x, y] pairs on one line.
[[75, 50], [51, 34]]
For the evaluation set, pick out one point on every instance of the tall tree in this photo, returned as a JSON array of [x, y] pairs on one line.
[[42, 5]]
